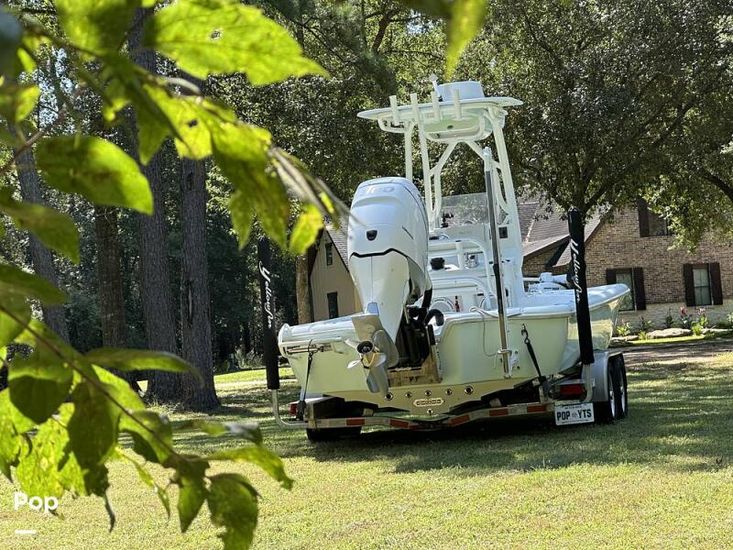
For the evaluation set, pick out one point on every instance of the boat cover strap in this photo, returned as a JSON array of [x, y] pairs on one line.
[[530, 350], [300, 408]]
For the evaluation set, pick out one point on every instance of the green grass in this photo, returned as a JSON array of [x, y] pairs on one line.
[[663, 478], [673, 340], [249, 376]]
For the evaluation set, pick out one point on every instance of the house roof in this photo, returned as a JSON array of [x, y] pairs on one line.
[[542, 227], [338, 237], [590, 228]]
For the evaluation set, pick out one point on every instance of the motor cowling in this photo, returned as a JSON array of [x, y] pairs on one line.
[[388, 248]]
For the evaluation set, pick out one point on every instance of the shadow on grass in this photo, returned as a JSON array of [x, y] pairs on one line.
[[681, 418]]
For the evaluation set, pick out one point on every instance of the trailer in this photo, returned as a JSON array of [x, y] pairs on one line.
[[451, 330]]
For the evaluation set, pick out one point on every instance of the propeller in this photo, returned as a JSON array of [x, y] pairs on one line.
[[376, 349]]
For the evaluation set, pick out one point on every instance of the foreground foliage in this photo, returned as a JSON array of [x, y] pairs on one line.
[[64, 414]]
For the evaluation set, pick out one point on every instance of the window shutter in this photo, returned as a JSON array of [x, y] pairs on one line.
[[643, 210], [610, 276], [716, 290], [639, 291], [689, 284]]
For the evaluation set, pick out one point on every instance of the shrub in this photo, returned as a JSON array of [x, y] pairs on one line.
[[697, 329], [645, 326], [702, 318], [668, 320], [623, 328], [685, 319], [643, 335]]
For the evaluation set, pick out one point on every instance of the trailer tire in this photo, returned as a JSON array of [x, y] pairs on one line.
[[622, 397], [319, 435], [606, 412]]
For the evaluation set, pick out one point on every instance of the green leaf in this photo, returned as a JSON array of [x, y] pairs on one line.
[[125, 359], [10, 440], [96, 169], [223, 36], [96, 25], [11, 34], [152, 435], [241, 152], [466, 18], [16, 281], [262, 457], [233, 505], [306, 229], [17, 101], [39, 337], [56, 230], [191, 495], [242, 212], [119, 389], [93, 426], [39, 384], [21, 423], [15, 314], [50, 468], [130, 83], [192, 118]]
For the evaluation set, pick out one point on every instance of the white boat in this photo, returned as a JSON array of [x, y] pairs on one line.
[[448, 314]]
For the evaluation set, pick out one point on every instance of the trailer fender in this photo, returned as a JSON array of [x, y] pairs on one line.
[[603, 359]]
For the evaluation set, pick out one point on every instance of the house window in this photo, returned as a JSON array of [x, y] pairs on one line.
[[329, 253], [333, 304], [702, 284], [634, 279], [651, 224]]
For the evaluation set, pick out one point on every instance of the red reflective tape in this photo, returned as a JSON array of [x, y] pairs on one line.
[[355, 421], [456, 420], [536, 408], [399, 423], [499, 412]]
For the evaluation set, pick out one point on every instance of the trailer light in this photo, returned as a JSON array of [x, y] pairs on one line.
[[572, 390], [293, 407]]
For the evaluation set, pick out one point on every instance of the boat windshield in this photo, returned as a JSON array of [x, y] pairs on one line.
[[466, 209]]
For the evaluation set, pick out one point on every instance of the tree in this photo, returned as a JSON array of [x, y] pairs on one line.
[[110, 287], [695, 189], [41, 256], [199, 392], [606, 86], [157, 297]]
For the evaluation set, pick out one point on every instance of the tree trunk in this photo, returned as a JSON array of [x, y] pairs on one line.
[[41, 257], [110, 285], [157, 298], [302, 290], [199, 395]]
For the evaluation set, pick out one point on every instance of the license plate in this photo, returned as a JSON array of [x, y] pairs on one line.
[[573, 414]]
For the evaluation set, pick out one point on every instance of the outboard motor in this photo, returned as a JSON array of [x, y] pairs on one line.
[[388, 255]]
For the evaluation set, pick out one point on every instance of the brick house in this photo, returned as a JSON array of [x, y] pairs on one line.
[[631, 248]]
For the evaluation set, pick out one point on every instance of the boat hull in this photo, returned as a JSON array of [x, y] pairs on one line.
[[466, 353]]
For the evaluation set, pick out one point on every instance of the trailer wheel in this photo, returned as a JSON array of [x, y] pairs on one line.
[[606, 412], [318, 435], [622, 396]]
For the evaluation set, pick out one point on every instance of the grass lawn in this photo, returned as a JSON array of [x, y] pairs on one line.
[[663, 478], [672, 340], [680, 339]]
